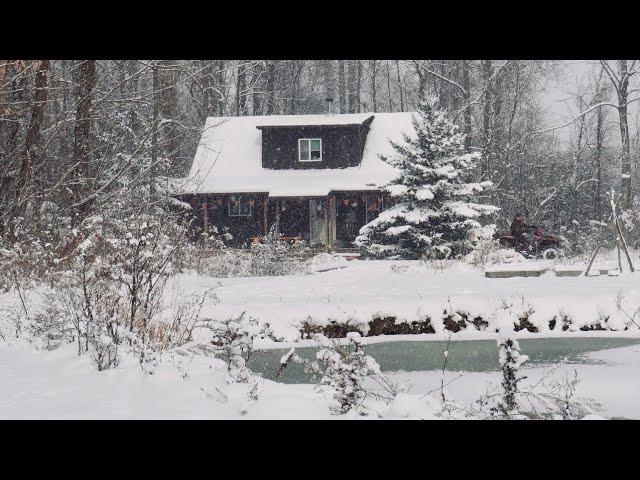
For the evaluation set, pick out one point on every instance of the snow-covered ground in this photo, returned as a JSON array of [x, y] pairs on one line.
[[410, 291], [59, 384], [611, 378]]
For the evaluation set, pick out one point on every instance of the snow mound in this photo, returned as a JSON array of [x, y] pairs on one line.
[[324, 262]]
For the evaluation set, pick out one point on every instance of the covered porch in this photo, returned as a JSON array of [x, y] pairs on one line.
[[330, 222]]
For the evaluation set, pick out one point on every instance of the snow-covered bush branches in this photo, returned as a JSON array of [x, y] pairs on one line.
[[107, 289], [434, 215], [553, 396], [275, 256], [233, 339], [510, 362], [342, 371]]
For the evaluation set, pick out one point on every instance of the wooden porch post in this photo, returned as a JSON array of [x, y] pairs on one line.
[[205, 216], [265, 206], [326, 221], [330, 221]]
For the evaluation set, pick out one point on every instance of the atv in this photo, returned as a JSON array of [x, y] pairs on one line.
[[533, 243]]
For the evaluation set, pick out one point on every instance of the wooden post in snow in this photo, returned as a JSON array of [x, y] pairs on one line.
[[619, 256], [593, 257], [621, 240]]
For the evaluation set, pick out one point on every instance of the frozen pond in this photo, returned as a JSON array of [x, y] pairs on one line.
[[467, 355]]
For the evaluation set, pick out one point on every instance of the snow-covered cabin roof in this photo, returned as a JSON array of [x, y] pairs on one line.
[[229, 157]]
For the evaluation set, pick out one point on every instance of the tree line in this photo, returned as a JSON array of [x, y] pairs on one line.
[[78, 135]]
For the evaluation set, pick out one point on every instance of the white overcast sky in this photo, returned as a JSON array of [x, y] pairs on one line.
[[557, 97]]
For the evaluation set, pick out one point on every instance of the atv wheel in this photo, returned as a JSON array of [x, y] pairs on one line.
[[551, 254]]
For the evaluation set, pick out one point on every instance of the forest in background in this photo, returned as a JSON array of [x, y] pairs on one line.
[[80, 137]]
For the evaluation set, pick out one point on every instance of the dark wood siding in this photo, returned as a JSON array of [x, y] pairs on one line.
[[342, 146], [241, 228]]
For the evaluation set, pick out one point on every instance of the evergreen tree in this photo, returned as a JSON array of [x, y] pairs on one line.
[[434, 216]]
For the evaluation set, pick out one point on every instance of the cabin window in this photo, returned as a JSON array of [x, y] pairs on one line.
[[239, 206], [310, 150]]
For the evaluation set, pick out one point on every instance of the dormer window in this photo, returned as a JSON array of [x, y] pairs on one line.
[[310, 150]]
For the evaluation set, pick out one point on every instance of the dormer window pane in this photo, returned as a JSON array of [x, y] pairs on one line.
[[304, 150], [316, 152], [310, 149]]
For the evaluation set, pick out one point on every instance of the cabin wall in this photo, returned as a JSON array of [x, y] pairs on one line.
[[217, 209], [341, 146]]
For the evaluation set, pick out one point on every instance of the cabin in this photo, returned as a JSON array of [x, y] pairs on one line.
[[317, 178]]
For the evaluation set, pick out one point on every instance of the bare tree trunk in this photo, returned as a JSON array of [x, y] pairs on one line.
[[154, 131], [168, 71], [241, 103], [3, 108], [400, 86], [623, 98], [374, 71], [351, 85], [389, 85], [466, 84], [271, 86], [486, 116], [598, 187], [329, 82], [82, 147], [358, 85], [296, 70], [256, 104], [341, 87], [30, 154], [422, 79]]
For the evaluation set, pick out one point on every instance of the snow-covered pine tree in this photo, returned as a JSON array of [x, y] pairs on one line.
[[434, 216]]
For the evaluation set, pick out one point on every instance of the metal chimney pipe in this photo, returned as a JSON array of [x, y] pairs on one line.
[[329, 102]]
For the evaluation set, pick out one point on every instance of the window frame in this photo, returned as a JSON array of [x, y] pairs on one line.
[[240, 198], [309, 140]]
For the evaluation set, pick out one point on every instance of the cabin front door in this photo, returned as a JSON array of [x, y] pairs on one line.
[[351, 215], [317, 222]]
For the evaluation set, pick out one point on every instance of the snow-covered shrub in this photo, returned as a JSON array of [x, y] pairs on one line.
[[435, 215], [203, 254], [233, 339], [83, 308], [510, 362], [30, 254], [272, 257], [275, 256], [484, 246], [108, 289], [554, 397], [344, 372], [500, 256]]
